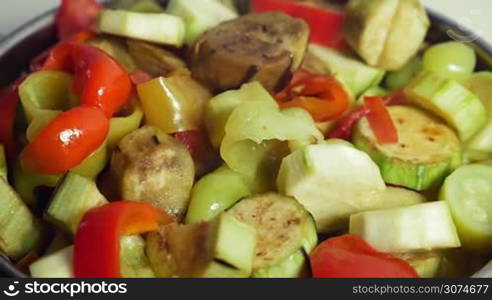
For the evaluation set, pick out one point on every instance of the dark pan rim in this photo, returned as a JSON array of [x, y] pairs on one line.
[[45, 20]]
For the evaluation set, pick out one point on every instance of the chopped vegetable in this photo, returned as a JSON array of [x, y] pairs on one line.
[[399, 79], [122, 125], [159, 28], [26, 184], [154, 60], [386, 33], [283, 227], [322, 96], [200, 16], [376, 91], [133, 260], [380, 121], [93, 164], [66, 141], [73, 198], [265, 47], [223, 247], [154, 167], [325, 25], [55, 265], [468, 193], [322, 178], [97, 244], [451, 60], [357, 76], [450, 101], [258, 130], [219, 109], [427, 150], [349, 256], [414, 228], [426, 264], [75, 16], [117, 49], [396, 197], [215, 193], [173, 104], [20, 231], [143, 6]]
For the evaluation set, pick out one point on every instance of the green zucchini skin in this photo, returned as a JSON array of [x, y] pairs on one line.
[[427, 151]]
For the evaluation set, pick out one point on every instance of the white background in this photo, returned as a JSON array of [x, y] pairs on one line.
[[475, 14]]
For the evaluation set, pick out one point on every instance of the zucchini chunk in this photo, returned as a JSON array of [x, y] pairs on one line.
[[386, 33], [449, 100], [153, 167], [469, 192], [200, 16], [157, 28], [395, 197], [332, 181], [218, 248], [56, 265], [72, 199], [427, 150], [215, 193], [421, 227], [480, 146], [357, 76], [426, 264], [283, 229], [20, 231]]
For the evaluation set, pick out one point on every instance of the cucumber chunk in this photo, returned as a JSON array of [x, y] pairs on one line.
[[426, 153], [449, 100], [395, 197], [469, 194], [217, 248], [215, 193], [200, 16], [56, 265], [283, 227], [332, 181], [20, 231], [421, 227], [73, 198], [3, 164], [156, 28], [355, 74], [399, 79]]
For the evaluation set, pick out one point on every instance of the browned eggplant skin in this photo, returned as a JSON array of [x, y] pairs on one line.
[[265, 47]]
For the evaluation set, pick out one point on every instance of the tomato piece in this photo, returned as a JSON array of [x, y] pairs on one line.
[[322, 96], [66, 141], [97, 241], [74, 16], [326, 25], [100, 80], [349, 256], [380, 121]]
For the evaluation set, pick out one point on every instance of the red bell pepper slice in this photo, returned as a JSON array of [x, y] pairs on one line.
[[326, 25], [97, 241], [66, 141], [322, 96], [75, 16], [99, 79], [380, 121], [139, 77], [349, 256], [58, 57], [345, 126], [9, 99]]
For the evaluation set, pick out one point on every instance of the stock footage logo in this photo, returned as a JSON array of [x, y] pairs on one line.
[[12, 290], [465, 23]]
